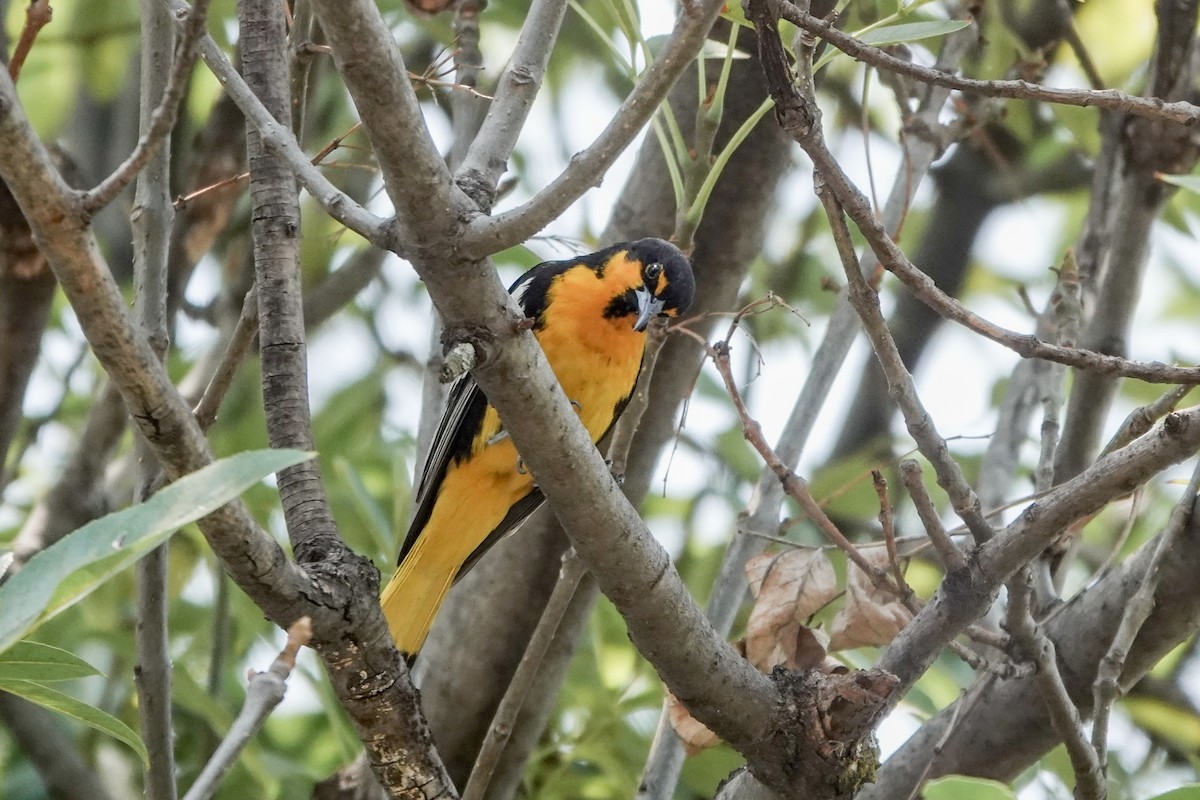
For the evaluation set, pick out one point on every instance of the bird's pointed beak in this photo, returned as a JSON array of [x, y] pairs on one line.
[[649, 307]]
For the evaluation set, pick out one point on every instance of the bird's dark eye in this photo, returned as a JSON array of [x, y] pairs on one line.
[[653, 270]]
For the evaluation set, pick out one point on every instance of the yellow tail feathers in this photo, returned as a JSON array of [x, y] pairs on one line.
[[411, 601]]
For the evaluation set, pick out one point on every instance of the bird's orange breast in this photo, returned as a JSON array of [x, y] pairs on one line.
[[596, 359]]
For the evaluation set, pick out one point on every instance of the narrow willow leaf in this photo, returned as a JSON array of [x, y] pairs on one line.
[[34, 661], [912, 31], [77, 709], [956, 787], [1189, 182], [81, 561]]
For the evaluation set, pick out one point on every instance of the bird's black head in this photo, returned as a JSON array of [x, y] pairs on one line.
[[666, 274]]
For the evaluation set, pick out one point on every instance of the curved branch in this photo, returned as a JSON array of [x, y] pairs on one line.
[[428, 204], [250, 554], [964, 597], [486, 235], [1151, 107], [162, 119], [280, 141], [488, 155]]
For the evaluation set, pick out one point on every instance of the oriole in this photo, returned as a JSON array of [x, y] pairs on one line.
[[590, 315]]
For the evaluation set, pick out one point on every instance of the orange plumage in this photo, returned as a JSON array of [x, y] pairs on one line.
[[589, 315]]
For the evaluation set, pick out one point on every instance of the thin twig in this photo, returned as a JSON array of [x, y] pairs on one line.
[[264, 691], [156, 133], [952, 557], [802, 125], [936, 751], [279, 139], [1032, 643], [1142, 419], [1107, 687], [793, 484], [37, 16], [240, 343], [505, 719], [1152, 107], [316, 161], [486, 234], [631, 417], [900, 381], [887, 522]]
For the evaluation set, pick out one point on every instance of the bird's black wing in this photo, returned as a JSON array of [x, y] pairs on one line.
[[462, 419], [465, 407]]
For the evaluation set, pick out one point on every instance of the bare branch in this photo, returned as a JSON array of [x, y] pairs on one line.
[[900, 382], [505, 719], [488, 155], [1151, 107], [251, 556], [275, 228], [952, 557], [162, 76], [1012, 729], [37, 16], [924, 141], [486, 235], [1142, 418], [156, 130], [964, 598], [264, 691], [279, 139], [1035, 646], [427, 202], [241, 340], [1107, 687]]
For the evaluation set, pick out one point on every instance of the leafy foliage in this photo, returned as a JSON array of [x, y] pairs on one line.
[[366, 364]]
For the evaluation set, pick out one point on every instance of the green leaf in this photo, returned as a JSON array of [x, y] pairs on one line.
[[912, 31], [960, 787], [1189, 792], [1189, 182], [34, 661], [77, 709], [1165, 720], [74, 566]]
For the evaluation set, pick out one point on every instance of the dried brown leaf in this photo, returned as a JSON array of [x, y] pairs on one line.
[[871, 616], [691, 731], [789, 588]]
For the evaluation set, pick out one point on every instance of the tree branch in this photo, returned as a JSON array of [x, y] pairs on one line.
[[961, 599], [279, 139], [488, 155], [151, 220], [55, 216], [901, 386], [275, 227], [1149, 107], [1107, 686], [264, 691], [349, 629], [156, 129], [428, 204], [1008, 728], [486, 235]]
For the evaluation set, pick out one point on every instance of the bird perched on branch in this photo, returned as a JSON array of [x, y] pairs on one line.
[[590, 315]]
